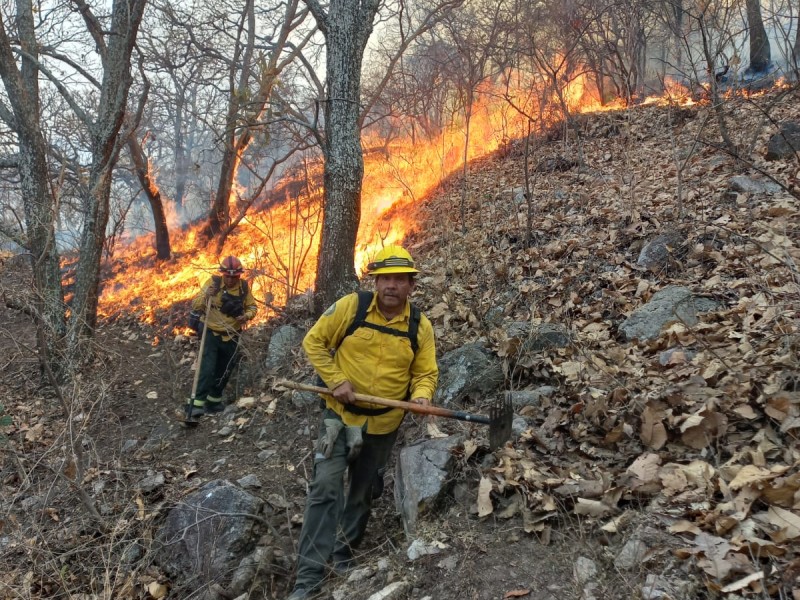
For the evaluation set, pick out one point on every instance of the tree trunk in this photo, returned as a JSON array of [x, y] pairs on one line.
[[181, 159], [106, 142], [22, 90], [347, 27], [151, 190], [759, 43], [796, 49]]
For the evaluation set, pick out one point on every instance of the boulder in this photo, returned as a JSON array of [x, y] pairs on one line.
[[467, 371], [673, 303], [522, 398], [535, 339], [206, 537], [747, 185], [284, 340], [785, 143], [421, 473], [660, 252]]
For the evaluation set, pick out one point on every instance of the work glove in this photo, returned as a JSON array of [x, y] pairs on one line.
[[355, 442], [327, 437]]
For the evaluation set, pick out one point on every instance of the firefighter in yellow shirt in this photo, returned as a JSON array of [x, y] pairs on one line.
[[377, 344], [232, 305]]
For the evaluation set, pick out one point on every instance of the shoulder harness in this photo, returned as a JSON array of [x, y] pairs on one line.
[[360, 320], [217, 285]]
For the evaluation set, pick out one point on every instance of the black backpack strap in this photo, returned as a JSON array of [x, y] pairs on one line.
[[360, 320], [413, 327], [364, 300]]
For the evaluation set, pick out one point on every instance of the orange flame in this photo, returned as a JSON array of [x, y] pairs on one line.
[[278, 246]]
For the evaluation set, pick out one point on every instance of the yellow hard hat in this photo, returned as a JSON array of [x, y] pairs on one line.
[[392, 259]]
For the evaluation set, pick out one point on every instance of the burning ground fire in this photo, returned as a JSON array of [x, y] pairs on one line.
[[278, 246]]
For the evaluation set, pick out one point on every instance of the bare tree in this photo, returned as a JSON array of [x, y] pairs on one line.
[[248, 103], [23, 115], [796, 48], [347, 26], [114, 41]]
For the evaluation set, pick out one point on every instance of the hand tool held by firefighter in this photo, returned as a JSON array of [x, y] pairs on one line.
[[501, 412], [190, 421]]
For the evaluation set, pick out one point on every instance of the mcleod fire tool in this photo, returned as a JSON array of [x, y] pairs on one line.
[[501, 411]]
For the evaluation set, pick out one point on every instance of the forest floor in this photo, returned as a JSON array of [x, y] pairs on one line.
[[710, 518]]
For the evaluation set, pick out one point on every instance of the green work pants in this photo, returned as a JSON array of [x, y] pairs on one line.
[[335, 522], [219, 359]]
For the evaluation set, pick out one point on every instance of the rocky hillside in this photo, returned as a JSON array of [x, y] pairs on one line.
[[637, 304]]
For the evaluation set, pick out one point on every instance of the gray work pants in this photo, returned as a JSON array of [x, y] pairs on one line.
[[334, 522]]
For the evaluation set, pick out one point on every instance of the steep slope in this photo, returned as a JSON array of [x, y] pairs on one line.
[[666, 466]]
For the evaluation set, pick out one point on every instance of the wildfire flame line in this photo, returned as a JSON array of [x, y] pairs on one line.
[[278, 246]]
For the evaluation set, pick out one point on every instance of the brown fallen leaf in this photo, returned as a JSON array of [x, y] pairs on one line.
[[484, 497], [653, 432]]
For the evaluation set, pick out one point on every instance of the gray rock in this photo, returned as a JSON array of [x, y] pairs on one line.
[[673, 303], [785, 143], [748, 185], [518, 425], [494, 316], [632, 554], [419, 548], [129, 446], [658, 253], [521, 398], [584, 570], [250, 568], [205, 538], [657, 588], [421, 474], [267, 454], [151, 483], [159, 439], [672, 585], [467, 371], [132, 553], [249, 482], [547, 336], [393, 591], [359, 574], [284, 340], [533, 340]]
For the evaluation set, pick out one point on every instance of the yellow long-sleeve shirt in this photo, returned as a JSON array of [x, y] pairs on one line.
[[375, 363], [217, 322]]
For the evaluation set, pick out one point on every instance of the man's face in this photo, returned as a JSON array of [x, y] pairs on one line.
[[393, 291], [231, 281]]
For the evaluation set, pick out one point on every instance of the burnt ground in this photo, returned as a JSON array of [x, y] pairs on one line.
[[124, 411]]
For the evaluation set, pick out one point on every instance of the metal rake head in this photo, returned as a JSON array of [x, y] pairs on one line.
[[501, 413]]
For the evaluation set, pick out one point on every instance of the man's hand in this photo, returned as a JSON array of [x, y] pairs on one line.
[[422, 401], [344, 393], [241, 319]]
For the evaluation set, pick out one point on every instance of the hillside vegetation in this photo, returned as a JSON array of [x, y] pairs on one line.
[[659, 468]]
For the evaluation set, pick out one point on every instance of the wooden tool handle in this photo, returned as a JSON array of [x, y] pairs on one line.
[[409, 406]]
